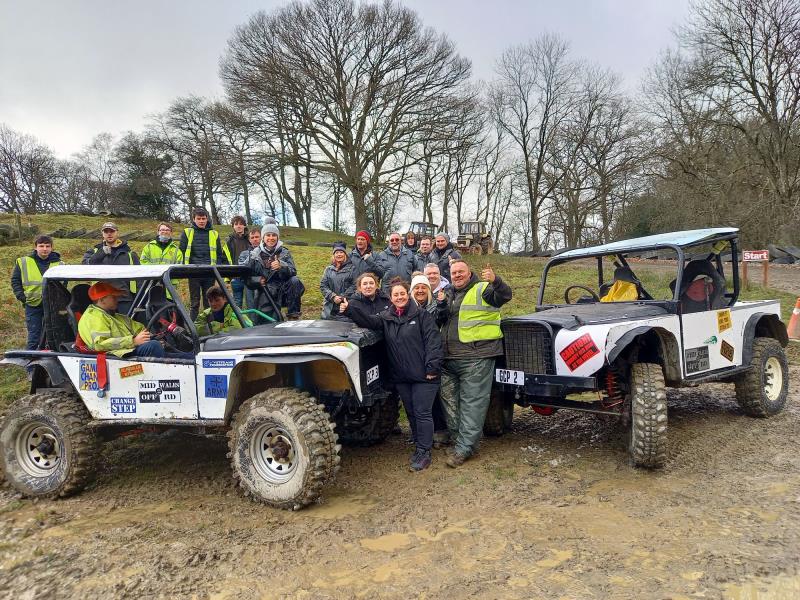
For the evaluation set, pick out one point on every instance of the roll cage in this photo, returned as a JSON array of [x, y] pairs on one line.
[[56, 294], [621, 250]]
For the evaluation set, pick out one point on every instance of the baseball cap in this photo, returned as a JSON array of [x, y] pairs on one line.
[[101, 289], [109, 225]]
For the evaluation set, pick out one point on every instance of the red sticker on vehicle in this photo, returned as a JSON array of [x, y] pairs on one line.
[[579, 351]]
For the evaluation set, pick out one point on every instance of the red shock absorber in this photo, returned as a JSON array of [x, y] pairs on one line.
[[613, 390]]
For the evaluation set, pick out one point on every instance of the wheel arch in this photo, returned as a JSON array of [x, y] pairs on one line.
[[255, 374], [649, 344], [762, 325]]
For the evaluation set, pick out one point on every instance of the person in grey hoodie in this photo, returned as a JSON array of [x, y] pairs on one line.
[[443, 254], [397, 261], [338, 282]]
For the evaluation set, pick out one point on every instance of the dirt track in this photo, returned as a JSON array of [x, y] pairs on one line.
[[550, 510]]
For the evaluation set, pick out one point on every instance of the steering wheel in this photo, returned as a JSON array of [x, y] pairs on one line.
[[595, 297], [168, 330]]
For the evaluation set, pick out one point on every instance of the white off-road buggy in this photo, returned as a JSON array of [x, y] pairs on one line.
[[641, 325], [285, 392]]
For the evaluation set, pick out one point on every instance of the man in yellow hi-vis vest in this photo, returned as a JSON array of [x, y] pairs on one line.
[[200, 245], [26, 282], [472, 340]]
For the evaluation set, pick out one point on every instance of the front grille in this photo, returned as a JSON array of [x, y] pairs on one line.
[[528, 347]]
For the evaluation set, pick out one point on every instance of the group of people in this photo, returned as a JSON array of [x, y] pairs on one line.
[[441, 322]]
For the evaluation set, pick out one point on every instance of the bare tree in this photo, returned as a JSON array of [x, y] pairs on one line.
[[364, 82], [97, 158], [530, 98], [747, 68], [27, 172]]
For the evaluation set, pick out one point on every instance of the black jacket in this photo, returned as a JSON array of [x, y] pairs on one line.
[[378, 303], [368, 265], [413, 344], [442, 259], [496, 294], [238, 244], [120, 255], [16, 274], [201, 252]]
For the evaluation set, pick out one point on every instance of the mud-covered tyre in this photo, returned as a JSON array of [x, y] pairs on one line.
[[369, 426], [762, 391], [499, 415], [48, 449], [647, 440], [283, 448]]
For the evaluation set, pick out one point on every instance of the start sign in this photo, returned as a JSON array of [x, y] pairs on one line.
[[755, 255]]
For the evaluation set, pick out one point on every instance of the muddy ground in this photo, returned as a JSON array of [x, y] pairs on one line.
[[551, 510]]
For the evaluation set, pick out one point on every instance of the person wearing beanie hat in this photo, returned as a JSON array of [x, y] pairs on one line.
[[361, 256], [397, 261], [337, 283], [443, 254], [274, 275]]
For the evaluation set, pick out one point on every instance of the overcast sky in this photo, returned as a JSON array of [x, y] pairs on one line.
[[70, 69]]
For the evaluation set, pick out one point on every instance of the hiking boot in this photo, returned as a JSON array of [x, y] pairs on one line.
[[422, 460], [456, 459]]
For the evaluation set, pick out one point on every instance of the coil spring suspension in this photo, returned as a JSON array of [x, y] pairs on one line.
[[614, 394]]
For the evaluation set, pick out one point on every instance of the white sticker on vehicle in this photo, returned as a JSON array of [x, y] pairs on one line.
[[161, 391], [295, 324], [372, 374]]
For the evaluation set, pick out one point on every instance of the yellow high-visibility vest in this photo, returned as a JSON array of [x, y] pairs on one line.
[[31, 279], [478, 320], [213, 236]]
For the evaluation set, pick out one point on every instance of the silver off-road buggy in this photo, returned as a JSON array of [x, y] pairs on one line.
[[286, 393], [641, 325]]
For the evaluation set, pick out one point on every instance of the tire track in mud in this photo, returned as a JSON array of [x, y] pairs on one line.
[[551, 509]]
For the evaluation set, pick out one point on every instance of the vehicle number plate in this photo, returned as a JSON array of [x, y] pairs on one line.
[[372, 374], [510, 377]]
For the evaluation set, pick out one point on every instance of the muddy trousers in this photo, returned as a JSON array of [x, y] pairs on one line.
[[418, 401], [466, 388]]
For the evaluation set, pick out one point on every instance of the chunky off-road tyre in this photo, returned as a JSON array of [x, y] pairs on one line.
[[283, 448], [499, 415], [48, 449], [369, 426], [647, 443], [762, 391]]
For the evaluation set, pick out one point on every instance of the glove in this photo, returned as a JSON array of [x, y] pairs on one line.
[[107, 249]]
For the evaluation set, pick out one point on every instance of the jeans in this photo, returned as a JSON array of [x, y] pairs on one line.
[[466, 389], [418, 401], [154, 349], [33, 321], [197, 290], [237, 286]]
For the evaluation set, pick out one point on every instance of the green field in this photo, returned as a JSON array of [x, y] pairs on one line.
[[522, 274]]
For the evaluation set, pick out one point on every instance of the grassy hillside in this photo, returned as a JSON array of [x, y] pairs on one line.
[[523, 275]]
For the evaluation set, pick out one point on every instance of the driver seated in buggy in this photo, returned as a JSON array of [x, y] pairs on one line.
[[103, 329]]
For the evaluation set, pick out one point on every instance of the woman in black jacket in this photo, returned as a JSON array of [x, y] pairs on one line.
[[414, 349], [369, 297]]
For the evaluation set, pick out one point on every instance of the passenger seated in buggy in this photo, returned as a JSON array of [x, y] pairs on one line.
[[220, 315]]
